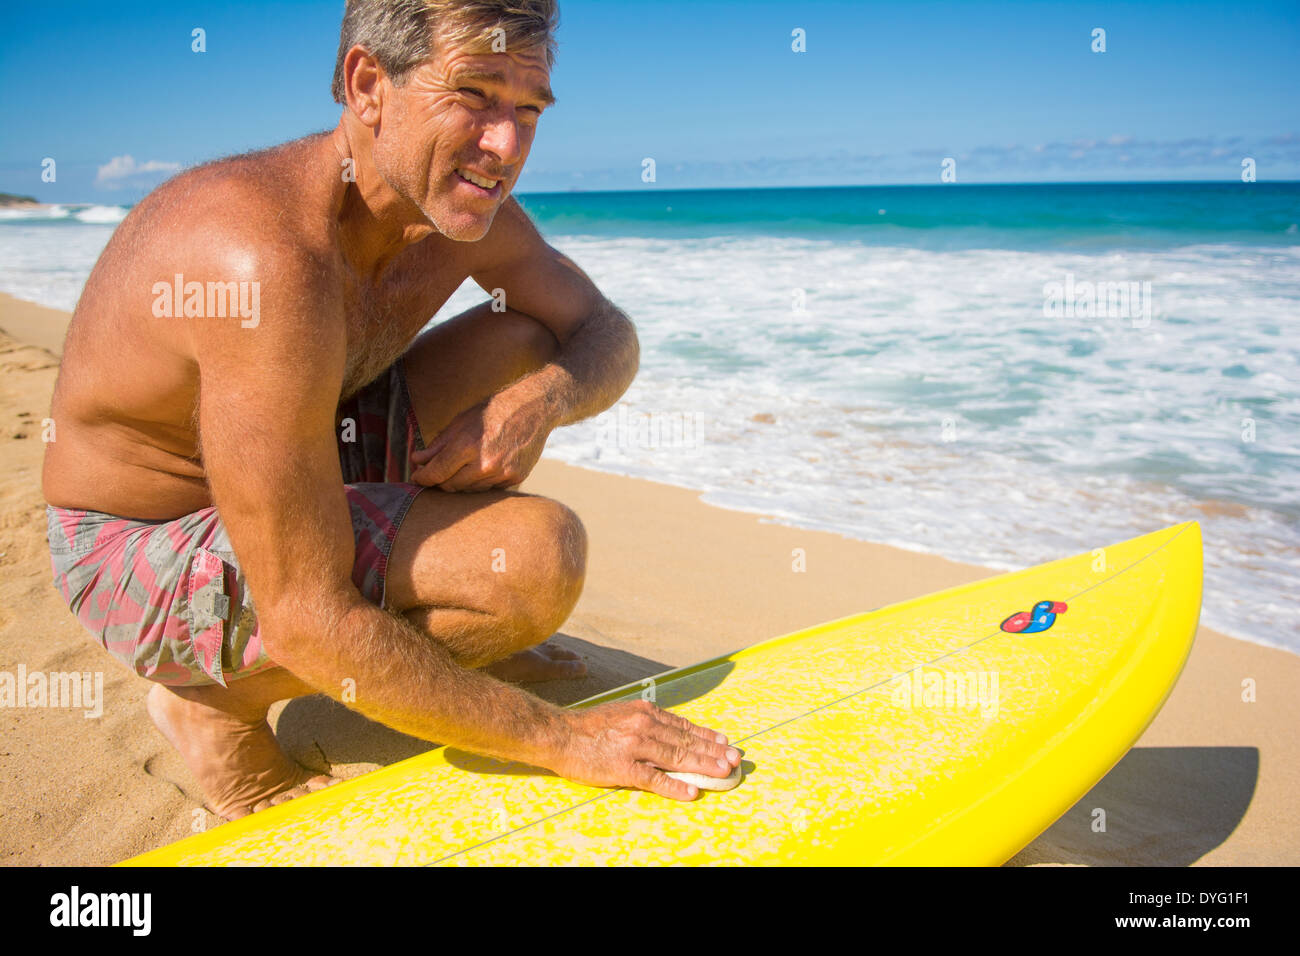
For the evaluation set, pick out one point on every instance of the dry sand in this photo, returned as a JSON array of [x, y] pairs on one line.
[[671, 581]]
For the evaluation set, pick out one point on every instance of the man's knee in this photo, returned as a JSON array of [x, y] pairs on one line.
[[550, 573]]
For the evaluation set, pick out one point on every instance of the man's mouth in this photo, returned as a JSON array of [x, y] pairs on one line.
[[484, 185]]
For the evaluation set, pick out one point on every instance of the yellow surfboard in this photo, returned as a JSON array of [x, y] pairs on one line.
[[949, 729]]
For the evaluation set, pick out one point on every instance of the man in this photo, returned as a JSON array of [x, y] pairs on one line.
[[243, 507]]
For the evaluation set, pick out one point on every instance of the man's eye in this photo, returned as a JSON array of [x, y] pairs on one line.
[[470, 89]]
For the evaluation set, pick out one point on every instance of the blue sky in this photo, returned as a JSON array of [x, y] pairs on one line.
[[711, 90]]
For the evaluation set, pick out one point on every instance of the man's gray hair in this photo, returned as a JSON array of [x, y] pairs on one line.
[[400, 34]]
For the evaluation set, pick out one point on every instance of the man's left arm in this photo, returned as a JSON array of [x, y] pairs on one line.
[[597, 359], [594, 366]]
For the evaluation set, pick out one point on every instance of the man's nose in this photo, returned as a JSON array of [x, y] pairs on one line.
[[501, 138]]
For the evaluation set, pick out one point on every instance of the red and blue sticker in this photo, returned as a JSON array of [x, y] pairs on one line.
[[1039, 619]]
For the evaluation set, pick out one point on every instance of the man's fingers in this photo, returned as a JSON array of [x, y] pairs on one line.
[[435, 447], [459, 479], [675, 720], [451, 433], [471, 477], [656, 781], [446, 471], [438, 470], [446, 455], [673, 748], [486, 484], [703, 757]]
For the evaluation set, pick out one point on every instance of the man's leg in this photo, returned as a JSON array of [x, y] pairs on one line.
[[489, 574], [460, 362]]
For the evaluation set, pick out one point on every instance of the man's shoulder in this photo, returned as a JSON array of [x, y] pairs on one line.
[[239, 244], [253, 211]]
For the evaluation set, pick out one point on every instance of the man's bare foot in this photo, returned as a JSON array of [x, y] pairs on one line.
[[543, 662], [234, 757]]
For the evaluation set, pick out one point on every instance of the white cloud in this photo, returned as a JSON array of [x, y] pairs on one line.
[[124, 170]]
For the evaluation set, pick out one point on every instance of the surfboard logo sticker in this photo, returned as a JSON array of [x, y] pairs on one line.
[[1042, 617]]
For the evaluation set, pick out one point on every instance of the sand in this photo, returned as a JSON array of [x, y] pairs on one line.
[[1215, 780]]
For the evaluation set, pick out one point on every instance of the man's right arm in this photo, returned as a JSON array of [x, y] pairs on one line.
[[267, 408]]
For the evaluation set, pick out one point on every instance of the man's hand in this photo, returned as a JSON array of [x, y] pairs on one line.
[[495, 444], [631, 743]]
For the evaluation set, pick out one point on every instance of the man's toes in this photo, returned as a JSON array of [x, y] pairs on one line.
[[284, 796], [318, 782], [226, 814], [321, 781]]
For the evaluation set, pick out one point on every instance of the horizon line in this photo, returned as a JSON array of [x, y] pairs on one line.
[[1075, 182], [681, 189]]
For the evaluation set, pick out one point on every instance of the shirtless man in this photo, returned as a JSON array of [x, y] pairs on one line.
[[242, 504]]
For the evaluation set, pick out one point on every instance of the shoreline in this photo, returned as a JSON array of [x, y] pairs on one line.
[[671, 581], [998, 568]]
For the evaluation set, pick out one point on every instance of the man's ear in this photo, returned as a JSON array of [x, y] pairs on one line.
[[363, 85]]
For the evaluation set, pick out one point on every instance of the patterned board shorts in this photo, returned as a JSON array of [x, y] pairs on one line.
[[168, 598]]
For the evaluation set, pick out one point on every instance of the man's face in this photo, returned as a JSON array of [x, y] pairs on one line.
[[453, 119]]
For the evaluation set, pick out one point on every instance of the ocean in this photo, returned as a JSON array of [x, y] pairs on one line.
[[998, 374]]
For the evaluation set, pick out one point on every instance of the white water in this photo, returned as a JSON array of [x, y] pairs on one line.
[[923, 399]]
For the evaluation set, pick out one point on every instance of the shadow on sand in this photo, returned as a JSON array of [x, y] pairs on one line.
[[1164, 806]]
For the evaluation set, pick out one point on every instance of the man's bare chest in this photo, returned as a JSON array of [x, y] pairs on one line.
[[382, 321]]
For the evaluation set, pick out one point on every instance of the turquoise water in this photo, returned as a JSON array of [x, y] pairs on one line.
[[904, 364], [1074, 216]]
